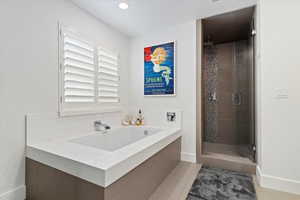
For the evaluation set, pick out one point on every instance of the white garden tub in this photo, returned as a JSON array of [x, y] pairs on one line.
[[103, 158]]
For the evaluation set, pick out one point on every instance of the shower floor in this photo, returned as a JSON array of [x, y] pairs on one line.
[[231, 150], [232, 157]]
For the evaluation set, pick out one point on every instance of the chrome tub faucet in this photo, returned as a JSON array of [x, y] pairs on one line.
[[101, 127]]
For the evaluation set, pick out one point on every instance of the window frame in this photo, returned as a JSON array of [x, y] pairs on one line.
[[76, 108]]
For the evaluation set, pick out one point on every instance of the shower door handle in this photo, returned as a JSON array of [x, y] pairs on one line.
[[237, 99]]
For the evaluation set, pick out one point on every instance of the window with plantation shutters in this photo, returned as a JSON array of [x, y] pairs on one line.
[[89, 76], [108, 77]]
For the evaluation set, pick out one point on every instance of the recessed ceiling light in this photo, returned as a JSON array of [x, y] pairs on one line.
[[123, 4]]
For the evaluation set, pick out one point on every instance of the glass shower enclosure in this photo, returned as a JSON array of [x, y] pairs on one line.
[[229, 98]]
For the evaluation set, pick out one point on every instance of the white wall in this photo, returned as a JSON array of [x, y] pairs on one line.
[[185, 100], [280, 69], [29, 72]]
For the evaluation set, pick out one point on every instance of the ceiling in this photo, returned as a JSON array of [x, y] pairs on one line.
[[228, 27], [149, 15]]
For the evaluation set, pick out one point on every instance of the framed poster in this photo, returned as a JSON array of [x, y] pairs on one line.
[[159, 70]]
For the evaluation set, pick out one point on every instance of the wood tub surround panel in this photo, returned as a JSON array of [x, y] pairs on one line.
[[46, 183]]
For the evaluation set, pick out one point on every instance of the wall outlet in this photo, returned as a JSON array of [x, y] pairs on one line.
[[171, 116]]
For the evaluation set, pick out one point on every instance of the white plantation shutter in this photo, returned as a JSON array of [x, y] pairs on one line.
[[89, 76], [79, 70], [108, 77]]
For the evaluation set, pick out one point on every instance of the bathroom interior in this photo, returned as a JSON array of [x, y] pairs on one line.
[[149, 100], [228, 85]]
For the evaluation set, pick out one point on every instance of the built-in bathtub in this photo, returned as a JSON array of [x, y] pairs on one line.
[[117, 159], [116, 139]]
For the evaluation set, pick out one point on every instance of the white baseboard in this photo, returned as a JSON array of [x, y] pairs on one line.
[[188, 157], [258, 175], [18, 193], [277, 183]]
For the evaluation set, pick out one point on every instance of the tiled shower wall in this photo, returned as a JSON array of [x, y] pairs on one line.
[[227, 75]]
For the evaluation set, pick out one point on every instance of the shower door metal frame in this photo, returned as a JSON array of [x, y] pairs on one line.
[[253, 90]]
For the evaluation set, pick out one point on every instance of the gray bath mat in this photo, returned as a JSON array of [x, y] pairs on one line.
[[219, 184]]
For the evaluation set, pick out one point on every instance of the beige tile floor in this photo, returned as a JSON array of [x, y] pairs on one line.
[[176, 186]]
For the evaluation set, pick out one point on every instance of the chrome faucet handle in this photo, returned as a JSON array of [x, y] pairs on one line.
[[98, 122]]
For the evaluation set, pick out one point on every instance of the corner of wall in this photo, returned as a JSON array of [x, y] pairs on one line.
[[188, 157], [277, 183]]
